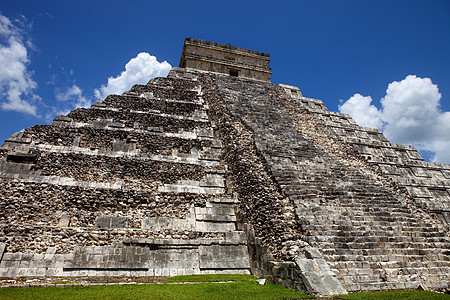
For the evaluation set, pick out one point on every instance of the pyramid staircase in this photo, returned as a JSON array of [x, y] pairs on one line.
[[371, 237]]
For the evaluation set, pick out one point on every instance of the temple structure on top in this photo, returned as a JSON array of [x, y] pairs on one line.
[[226, 59]]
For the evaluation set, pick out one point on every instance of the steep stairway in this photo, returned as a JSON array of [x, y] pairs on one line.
[[371, 238]]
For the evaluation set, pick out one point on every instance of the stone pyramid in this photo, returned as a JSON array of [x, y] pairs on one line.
[[216, 170]]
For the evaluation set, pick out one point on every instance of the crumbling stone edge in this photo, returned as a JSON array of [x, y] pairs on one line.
[[308, 273]]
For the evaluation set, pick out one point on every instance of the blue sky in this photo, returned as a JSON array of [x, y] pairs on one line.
[[350, 54]]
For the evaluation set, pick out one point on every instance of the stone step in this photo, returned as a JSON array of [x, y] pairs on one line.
[[389, 267], [376, 286], [412, 250], [441, 241], [380, 255], [396, 273], [329, 221], [366, 222], [391, 230], [394, 276], [364, 231], [352, 208], [369, 218], [361, 233], [422, 247], [393, 226], [320, 223]]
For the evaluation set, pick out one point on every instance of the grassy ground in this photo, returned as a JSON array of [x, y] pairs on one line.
[[209, 287], [242, 287]]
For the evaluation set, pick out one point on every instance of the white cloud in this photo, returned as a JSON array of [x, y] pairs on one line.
[[362, 111], [138, 70], [411, 109], [74, 95], [16, 84], [70, 98], [410, 114]]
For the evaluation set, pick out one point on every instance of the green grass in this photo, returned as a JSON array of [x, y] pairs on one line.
[[197, 287], [244, 287], [397, 295]]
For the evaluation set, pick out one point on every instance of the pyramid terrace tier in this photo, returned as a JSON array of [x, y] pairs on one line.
[[180, 84], [44, 204], [138, 257], [168, 93], [110, 139], [93, 168], [128, 119], [148, 104]]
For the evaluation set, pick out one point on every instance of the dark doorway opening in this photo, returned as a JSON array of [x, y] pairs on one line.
[[234, 73]]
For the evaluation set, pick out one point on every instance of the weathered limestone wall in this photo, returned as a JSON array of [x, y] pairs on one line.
[[132, 186]]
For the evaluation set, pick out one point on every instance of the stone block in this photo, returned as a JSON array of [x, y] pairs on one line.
[[333, 286], [124, 146], [223, 257], [213, 181], [314, 284], [111, 222], [311, 252], [98, 104], [126, 257], [116, 125], [164, 223], [64, 220], [2, 250], [307, 265]]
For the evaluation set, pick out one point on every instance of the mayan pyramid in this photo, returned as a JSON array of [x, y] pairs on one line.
[[214, 169]]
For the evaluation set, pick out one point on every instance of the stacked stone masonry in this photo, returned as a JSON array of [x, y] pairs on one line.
[[234, 61], [371, 230], [203, 172], [132, 186]]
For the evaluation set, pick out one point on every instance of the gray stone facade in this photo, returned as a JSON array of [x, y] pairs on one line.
[[231, 60], [202, 173], [133, 186]]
